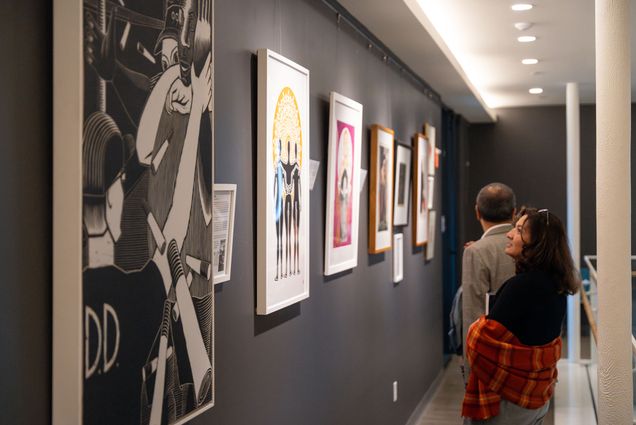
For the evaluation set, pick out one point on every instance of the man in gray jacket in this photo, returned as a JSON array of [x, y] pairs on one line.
[[485, 266]]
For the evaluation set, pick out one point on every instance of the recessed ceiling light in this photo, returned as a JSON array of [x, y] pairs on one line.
[[535, 90], [522, 26], [526, 39], [530, 61], [520, 7]]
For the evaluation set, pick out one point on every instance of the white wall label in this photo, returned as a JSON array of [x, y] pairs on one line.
[[313, 172], [363, 177]]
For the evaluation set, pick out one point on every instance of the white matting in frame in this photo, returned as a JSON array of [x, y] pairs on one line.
[[420, 190], [381, 189], [283, 183], [224, 204], [133, 182], [343, 182], [402, 185]]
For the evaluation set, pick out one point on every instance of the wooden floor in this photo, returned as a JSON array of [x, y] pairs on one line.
[[445, 406]]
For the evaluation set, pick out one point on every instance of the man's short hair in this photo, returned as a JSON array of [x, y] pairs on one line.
[[496, 202]]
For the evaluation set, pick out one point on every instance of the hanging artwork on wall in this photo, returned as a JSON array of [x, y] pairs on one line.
[[430, 191], [402, 185], [429, 132], [133, 134], [223, 242], [381, 190], [420, 200], [430, 246], [283, 183], [398, 257], [343, 181]]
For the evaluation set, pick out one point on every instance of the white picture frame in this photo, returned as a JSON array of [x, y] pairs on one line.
[[430, 246], [430, 133], [224, 207], [283, 183], [398, 257], [135, 265], [342, 214], [430, 192], [381, 189], [402, 180], [420, 190]]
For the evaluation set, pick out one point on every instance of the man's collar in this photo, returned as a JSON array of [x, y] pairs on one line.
[[497, 228]]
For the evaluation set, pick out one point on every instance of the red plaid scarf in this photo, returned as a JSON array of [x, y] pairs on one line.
[[502, 367]]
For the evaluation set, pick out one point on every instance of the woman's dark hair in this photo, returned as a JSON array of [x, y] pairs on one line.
[[548, 249]]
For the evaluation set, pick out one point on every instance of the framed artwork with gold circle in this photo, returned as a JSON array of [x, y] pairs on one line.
[[282, 183]]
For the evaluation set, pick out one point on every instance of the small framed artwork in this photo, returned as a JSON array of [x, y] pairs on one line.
[[420, 182], [402, 185], [224, 204], [430, 191], [283, 183], [430, 246], [381, 189], [398, 257], [343, 182], [429, 131]]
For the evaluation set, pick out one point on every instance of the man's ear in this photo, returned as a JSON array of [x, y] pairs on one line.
[[477, 214], [514, 214]]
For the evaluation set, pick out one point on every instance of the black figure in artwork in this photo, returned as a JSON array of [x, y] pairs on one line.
[[278, 210], [383, 225], [296, 210], [288, 168]]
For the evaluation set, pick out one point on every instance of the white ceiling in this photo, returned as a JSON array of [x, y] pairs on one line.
[[467, 50]]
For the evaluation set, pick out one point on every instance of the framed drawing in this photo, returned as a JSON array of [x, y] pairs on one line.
[[283, 183], [133, 298], [430, 246], [398, 257], [402, 185], [343, 182], [420, 200], [429, 131], [224, 211], [381, 190]]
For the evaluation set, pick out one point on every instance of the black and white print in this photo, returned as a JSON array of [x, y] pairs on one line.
[[147, 155]]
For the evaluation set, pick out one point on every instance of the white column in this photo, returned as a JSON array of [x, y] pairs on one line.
[[574, 213], [613, 211]]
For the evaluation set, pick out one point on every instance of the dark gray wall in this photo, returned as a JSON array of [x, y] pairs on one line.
[[330, 359], [333, 358], [25, 213], [526, 149]]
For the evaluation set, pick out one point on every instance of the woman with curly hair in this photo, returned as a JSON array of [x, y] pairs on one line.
[[513, 351]]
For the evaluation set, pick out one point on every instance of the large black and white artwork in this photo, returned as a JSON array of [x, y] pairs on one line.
[[147, 150]]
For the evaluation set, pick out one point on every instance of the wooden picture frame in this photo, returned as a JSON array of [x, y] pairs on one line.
[[402, 186], [381, 189], [419, 204], [132, 184], [282, 263], [342, 214]]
